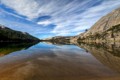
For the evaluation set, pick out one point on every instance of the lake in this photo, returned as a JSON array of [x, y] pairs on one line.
[[55, 61]]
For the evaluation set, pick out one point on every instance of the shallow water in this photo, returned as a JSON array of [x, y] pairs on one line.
[[47, 61]]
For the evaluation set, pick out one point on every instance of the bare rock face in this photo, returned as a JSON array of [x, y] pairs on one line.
[[106, 22], [107, 27]]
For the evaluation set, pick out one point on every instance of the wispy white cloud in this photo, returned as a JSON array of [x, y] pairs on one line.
[[69, 16], [24, 7], [45, 23]]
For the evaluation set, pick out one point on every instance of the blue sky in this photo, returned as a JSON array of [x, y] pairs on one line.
[[47, 18]]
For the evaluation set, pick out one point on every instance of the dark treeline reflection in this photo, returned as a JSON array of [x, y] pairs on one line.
[[9, 47]]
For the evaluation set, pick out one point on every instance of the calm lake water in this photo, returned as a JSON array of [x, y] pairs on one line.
[[47, 61]]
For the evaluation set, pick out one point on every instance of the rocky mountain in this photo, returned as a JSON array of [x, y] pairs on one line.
[[59, 39], [106, 29], [9, 35]]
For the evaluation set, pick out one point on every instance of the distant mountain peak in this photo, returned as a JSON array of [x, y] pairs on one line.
[[1, 26], [7, 34]]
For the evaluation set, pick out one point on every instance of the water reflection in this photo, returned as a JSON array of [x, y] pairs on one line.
[[6, 48], [108, 54], [45, 61]]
